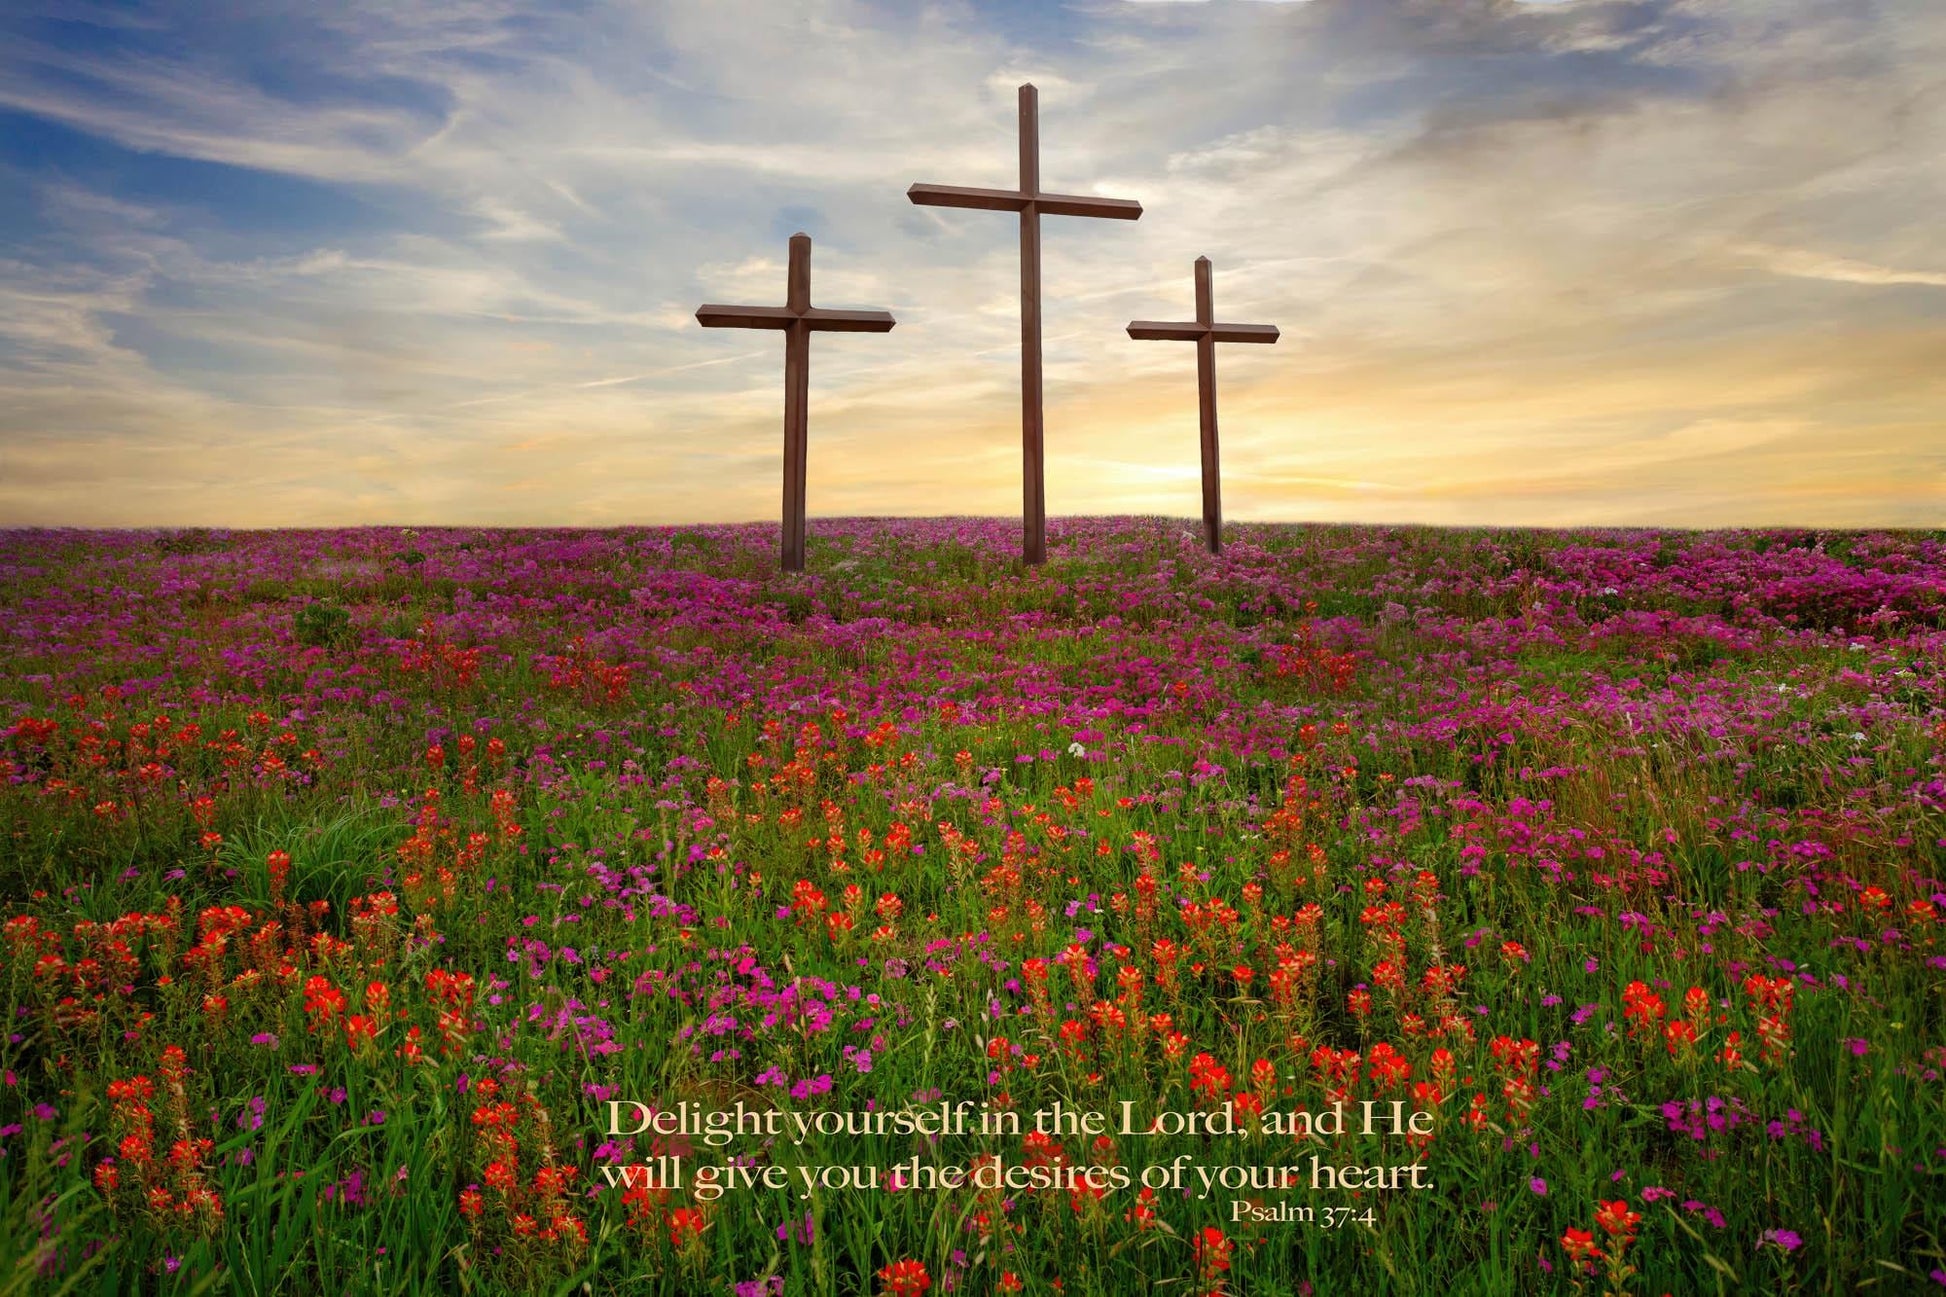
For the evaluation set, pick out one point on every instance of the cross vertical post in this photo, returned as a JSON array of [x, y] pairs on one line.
[[1033, 486], [798, 319], [1206, 409], [1206, 333], [1031, 204], [797, 402]]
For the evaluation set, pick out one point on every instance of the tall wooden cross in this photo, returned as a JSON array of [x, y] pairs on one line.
[[1031, 203], [798, 319], [1206, 333]]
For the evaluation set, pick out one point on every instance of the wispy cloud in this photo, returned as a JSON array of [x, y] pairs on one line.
[[1806, 264]]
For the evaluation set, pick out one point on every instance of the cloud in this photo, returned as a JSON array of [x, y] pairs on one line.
[[1806, 264]]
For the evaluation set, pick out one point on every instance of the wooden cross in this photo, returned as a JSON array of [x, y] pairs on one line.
[[798, 319], [1206, 333], [1031, 203]]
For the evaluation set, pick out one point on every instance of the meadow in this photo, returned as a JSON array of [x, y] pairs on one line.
[[350, 875]]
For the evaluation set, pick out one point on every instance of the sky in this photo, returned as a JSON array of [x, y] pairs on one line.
[[1579, 263]]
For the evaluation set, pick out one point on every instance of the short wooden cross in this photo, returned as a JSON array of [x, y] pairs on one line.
[[799, 319], [1031, 203], [1206, 333]]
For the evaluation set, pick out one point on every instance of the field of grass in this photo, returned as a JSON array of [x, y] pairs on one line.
[[348, 876]]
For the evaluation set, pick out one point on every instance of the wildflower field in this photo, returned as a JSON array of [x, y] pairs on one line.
[[349, 876]]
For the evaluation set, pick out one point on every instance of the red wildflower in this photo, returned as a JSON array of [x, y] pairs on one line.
[[906, 1278], [686, 1225], [1617, 1219], [1212, 1253], [1579, 1244]]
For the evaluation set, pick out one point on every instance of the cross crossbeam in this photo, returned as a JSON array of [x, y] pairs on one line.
[[1031, 203], [1206, 333], [798, 319]]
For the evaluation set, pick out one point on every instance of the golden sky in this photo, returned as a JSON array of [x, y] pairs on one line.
[[1667, 262]]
